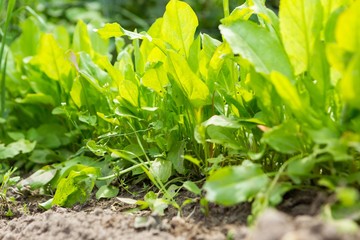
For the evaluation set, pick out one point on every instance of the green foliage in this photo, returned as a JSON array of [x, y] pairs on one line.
[[272, 107]]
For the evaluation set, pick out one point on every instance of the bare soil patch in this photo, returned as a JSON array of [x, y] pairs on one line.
[[296, 219]]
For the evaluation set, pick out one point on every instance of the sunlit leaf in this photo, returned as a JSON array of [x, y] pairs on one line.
[[156, 79], [51, 59], [195, 89], [300, 26], [76, 187], [110, 30], [347, 34], [179, 26], [81, 39]]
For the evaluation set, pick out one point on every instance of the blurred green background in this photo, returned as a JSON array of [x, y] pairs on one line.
[[131, 14]]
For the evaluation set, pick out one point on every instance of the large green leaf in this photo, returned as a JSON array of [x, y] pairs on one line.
[[222, 135], [76, 187], [179, 26], [300, 26], [285, 138], [27, 43], [51, 59], [176, 156], [349, 85], [290, 96], [81, 39], [195, 89], [235, 184], [38, 179], [155, 78], [347, 31], [258, 46], [15, 148]]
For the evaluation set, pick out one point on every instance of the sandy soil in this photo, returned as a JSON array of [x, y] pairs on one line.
[[110, 219]]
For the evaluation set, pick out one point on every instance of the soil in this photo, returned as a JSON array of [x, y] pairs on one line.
[[296, 218]]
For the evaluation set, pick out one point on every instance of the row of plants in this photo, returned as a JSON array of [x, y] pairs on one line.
[[272, 107]]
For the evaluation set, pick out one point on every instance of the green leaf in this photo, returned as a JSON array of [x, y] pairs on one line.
[[156, 78], [192, 187], [47, 204], [110, 30], [98, 150], [277, 193], [15, 148], [107, 192], [49, 135], [285, 138], [222, 121], [76, 187], [81, 39], [300, 168], [349, 85], [223, 136], [235, 184], [51, 59], [176, 156], [347, 30], [300, 26], [258, 46], [347, 196], [161, 169], [26, 45], [179, 26], [290, 96], [44, 156], [195, 89], [39, 179], [157, 205]]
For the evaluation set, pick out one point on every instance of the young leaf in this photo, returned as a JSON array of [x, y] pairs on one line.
[[110, 30], [107, 192], [300, 26], [192, 187], [179, 26], [234, 184]]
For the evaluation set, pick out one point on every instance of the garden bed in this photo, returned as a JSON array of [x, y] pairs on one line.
[[296, 218]]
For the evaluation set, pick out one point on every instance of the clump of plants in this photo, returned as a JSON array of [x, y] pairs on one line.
[[272, 107]]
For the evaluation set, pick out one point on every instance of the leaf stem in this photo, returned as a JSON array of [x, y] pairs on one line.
[[226, 8]]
